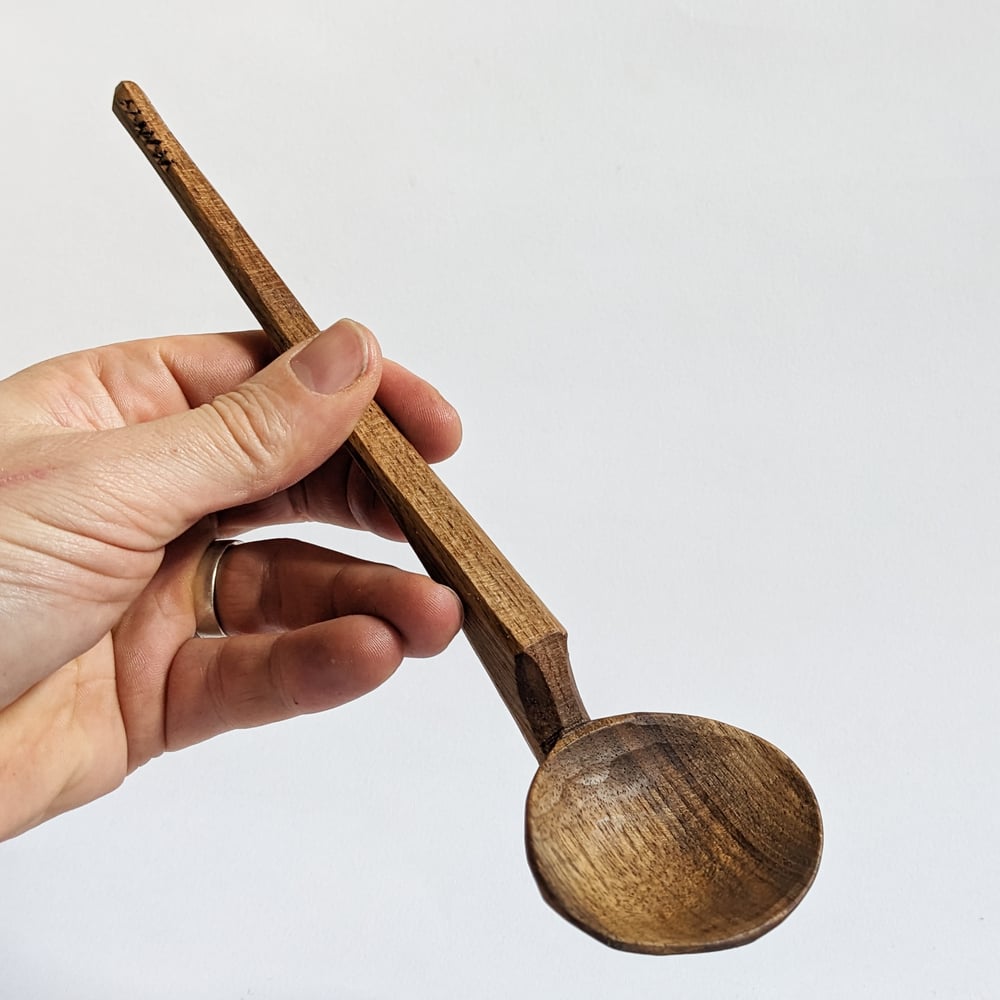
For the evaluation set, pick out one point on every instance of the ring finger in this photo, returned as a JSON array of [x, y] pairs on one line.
[[278, 585]]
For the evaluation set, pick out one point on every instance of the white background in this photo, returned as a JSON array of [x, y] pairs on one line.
[[715, 287]]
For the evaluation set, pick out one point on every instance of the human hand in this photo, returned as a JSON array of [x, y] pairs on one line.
[[118, 467]]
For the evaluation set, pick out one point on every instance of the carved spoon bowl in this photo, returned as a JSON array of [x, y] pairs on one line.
[[671, 833]]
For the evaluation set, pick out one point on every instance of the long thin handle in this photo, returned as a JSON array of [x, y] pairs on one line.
[[518, 640]]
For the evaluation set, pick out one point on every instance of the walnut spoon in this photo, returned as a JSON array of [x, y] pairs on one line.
[[654, 833]]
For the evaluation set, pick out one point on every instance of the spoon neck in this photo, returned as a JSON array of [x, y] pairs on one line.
[[533, 677], [547, 700]]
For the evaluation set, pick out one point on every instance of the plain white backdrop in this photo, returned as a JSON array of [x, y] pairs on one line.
[[716, 287]]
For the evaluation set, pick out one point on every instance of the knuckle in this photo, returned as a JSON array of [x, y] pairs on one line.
[[251, 428]]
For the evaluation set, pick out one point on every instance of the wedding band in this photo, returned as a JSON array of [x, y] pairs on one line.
[[207, 624]]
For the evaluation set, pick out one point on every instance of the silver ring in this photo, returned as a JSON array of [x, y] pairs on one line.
[[207, 625]]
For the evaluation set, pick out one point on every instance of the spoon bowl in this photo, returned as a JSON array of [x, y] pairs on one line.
[[667, 834]]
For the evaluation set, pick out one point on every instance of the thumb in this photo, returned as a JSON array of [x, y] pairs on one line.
[[258, 438]]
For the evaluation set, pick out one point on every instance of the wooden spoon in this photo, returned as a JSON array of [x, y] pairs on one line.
[[653, 833]]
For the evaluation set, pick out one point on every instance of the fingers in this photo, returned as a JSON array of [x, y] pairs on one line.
[[220, 684], [252, 420], [430, 423], [293, 657], [250, 437], [280, 585], [203, 366], [249, 443], [339, 492]]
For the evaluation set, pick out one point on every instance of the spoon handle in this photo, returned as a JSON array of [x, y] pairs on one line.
[[517, 638]]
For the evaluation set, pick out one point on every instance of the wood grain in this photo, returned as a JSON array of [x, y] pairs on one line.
[[518, 640], [668, 834]]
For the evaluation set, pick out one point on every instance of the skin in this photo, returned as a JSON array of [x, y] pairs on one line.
[[117, 467]]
